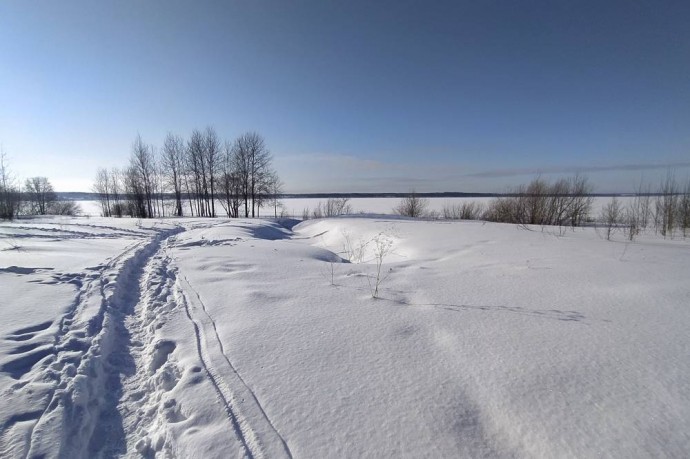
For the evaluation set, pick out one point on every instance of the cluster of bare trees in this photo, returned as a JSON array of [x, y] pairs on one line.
[[566, 202], [195, 174], [667, 210], [39, 195], [36, 198]]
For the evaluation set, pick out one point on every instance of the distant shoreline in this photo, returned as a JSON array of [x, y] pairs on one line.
[[81, 196]]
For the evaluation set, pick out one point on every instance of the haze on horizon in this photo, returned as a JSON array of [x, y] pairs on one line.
[[355, 96]]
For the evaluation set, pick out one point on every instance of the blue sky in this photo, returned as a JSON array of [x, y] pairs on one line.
[[355, 96]]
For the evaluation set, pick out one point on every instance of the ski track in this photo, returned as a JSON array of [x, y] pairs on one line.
[[111, 374], [252, 427]]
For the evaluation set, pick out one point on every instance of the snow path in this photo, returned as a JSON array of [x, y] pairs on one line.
[[76, 327], [91, 352], [109, 371], [138, 357], [145, 360], [260, 439]]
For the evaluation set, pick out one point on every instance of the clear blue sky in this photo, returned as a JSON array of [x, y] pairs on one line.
[[355, 96]]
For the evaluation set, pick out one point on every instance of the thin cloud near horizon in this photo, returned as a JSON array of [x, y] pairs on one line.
[[575, 169]]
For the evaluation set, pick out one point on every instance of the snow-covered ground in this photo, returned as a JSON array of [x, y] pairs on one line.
[[253, 338]]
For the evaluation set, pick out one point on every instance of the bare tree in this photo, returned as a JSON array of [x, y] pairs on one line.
[[253, 166], [116, 192], [412, 206], [137, 205], [197, 170], [581, 204], [10, 196], [684, 209], [260, 163], [611, 216], [212, 154], [636, 214], [275, 186], [101, 186], [173, 167], [241, 166], [229, 183], [158, 183], [666, 205], [40, 195], [142, 164]]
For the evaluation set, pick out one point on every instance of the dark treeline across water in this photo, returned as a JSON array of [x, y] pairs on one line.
[[84, 196]]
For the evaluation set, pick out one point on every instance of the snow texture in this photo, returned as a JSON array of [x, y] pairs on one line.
[[258, 338]]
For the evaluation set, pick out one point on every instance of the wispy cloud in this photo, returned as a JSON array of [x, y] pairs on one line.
[[575, 169]]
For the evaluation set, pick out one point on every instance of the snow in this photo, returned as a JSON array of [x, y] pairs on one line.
[[259, 338]]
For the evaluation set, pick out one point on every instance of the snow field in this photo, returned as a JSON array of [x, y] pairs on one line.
[[241, 338]]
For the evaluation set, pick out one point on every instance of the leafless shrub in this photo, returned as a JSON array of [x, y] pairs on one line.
[[70, 208], [665, 206], [471, 210], [412, 206], [353, 251], [637, 213], [433, 214], [337, 206], [611, 216], [567, 202], [333, 207], [684, 210], [382, 247]]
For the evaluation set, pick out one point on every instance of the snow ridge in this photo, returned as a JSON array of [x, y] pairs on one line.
[[252, 427]]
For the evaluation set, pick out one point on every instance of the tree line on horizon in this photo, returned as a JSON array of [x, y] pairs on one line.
[[197, 173], [202, 171]]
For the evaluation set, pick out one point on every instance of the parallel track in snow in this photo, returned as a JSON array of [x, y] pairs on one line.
[[103, 344], [253, 428]]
